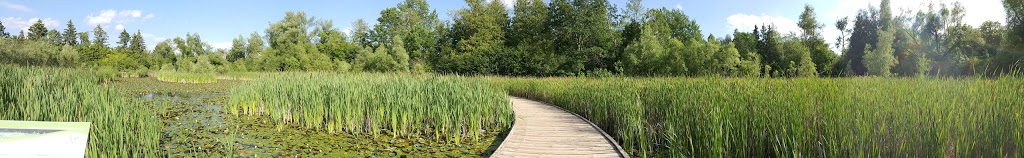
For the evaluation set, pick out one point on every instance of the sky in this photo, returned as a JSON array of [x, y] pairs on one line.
[[219, 21]]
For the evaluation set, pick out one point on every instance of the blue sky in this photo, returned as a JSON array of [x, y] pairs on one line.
[[219, 21]]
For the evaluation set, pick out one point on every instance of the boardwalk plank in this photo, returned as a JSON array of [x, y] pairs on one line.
[[543, 130]]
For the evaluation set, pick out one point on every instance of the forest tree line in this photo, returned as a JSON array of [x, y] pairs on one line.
[[560, 38]]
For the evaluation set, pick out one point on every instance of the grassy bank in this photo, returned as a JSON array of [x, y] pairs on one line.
[[848, 117], [452, 109], [120, 127], [184, 77]]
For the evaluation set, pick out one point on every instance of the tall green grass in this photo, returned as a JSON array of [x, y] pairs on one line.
[[184, 77], [848, 117], [120, 127], [444, 108]]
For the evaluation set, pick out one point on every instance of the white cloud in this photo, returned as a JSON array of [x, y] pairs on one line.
[[22, 24], [220, 45], [679, 6], [745, 22], [15, 6], [152, 40], [119, 27], [347, 30], [111, 16]]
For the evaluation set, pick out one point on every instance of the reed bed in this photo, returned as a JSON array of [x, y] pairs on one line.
[[239, 76], [847, 117], [120, 127], [444, 108], [184, 77]]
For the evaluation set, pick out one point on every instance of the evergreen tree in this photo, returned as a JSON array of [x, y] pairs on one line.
[[138, 44], [37, 31], [3, 31], [70, 35], [124, 39], [101, 37]]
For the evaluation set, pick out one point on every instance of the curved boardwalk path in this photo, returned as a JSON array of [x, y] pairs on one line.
[[543, 130]]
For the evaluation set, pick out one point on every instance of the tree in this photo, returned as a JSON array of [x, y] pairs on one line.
[[68, 56], [771, 50], [70, 34], [164, 50], [101, 37], [255, 45], [582, 33], [291, 47], [879, 60], [478, 31], [821, 55], [400, 55], [54, 37], [3, 31], [994, 34], [195, 44], [865, 33], [124, 39], [138, 44], [237, 50], [796, 59], [361, 33], [332, 42], [37, 31], [842, 39], [182, 46], [530, 35], [1012, 57], [727, 61], [809, 23], [83, 39], [644, 57]]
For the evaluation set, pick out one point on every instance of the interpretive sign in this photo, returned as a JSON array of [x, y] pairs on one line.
[[43, 139]]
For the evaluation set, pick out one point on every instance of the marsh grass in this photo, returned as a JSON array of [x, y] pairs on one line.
[[804, 117], [185, 77], [120, 127], [453, 109]]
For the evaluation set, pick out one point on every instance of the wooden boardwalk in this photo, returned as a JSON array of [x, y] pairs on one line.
[[542, 130]]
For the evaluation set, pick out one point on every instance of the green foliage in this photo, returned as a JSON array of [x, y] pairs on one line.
[[68, 56], [70, 34], [137, 44], [120, 127], [865, 33], [120, 60], [452, 109], [28, 52], [124, 39], [37, 31], [644, 57], [185, 77], [581, 32], [879, 61], [715, 117], [100, 37], [3, 31], [799, 60]]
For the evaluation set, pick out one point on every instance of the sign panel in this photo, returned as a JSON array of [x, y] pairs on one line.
[[43, 139]]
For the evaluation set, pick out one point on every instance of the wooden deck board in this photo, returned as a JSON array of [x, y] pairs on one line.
[[542, 130]]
